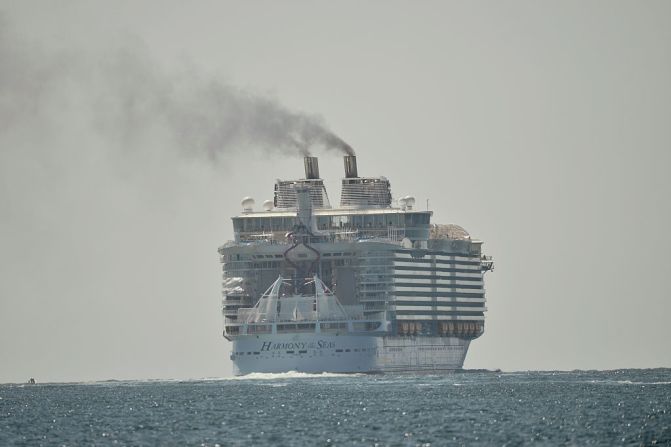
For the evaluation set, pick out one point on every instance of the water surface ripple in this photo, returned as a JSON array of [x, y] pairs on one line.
[[625, 407]]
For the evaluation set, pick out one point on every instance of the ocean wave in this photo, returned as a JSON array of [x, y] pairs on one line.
[[629, 382], [625, 382]]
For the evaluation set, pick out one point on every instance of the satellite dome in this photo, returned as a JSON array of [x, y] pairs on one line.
[[449, 231], [268, 205], [409, 201], [247, 204]]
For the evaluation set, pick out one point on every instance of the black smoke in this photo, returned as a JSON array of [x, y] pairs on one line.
[[126, 96]]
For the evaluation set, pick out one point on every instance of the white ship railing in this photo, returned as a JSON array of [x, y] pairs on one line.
[[321, 312], [383, 233]]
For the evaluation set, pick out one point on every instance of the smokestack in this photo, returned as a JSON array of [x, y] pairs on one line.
[[350, 166], [311, 168]]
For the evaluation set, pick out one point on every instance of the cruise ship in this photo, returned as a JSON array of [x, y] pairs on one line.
[[369, 286]]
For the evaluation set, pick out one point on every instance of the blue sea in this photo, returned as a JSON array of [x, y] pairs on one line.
[[624, 407]]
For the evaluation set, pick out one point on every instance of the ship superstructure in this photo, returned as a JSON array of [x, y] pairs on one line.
[[370, 286]]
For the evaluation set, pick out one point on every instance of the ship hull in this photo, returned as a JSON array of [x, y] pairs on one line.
[[341, 353]]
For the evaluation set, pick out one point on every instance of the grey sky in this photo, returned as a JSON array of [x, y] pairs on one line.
[[543, 128]]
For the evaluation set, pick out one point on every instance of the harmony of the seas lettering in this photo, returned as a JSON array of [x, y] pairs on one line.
[[319, 344]]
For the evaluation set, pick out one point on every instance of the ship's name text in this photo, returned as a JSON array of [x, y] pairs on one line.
[[319, 344]]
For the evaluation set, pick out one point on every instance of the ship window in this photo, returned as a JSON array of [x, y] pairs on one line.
[[416, 219], [339, 221]]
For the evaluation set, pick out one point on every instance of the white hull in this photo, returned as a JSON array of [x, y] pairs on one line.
[[316, 353]]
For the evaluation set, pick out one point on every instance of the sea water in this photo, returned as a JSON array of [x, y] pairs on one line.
[[624, 407]]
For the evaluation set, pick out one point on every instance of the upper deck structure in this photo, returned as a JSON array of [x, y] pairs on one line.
[[411, 282]]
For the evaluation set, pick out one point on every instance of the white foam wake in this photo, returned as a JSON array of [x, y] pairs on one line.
[[291, 375]]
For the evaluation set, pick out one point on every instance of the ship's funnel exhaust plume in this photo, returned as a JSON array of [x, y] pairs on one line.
[[311, 168], [331, 140], [350, 166], [127, 98]]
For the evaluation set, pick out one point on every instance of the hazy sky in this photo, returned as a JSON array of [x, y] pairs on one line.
[[543, 128]]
